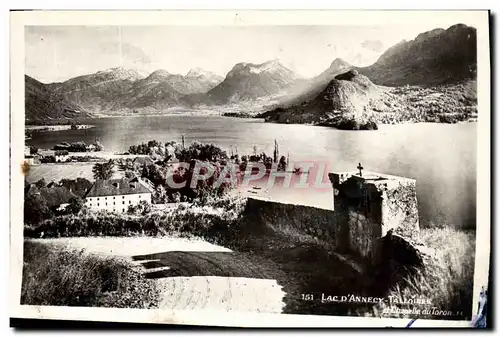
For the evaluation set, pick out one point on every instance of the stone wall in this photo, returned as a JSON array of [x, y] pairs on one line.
[[367, 207], [290, 219]]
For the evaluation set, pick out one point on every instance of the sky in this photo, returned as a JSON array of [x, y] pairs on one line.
[[57, 53]]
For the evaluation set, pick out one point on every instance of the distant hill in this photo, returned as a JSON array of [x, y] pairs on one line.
[[248, 82], [435, 57], [351, 101], [99, 91], [308, 89], [348, 94], [207, 79], [124, 89], [162, 89], [42, 103]]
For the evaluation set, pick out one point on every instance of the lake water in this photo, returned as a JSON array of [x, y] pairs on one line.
[[441, 157]]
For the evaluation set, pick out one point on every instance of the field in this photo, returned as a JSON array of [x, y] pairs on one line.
[[56, 172]]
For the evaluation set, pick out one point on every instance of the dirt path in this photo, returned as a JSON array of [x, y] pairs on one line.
[[194, 274]]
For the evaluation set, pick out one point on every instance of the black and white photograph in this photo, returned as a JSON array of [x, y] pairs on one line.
[[328, 165]]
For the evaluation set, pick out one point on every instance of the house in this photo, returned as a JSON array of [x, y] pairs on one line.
[[56, 197], [61, 156], [141, 161], [46, 153], [32, 160], [116, 195], [27, 151], [91, 147]]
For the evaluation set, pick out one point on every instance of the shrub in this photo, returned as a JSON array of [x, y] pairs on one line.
[[140, 220], [53, 276], [75, 206], [36, 209], [103, 171], [447, 278]]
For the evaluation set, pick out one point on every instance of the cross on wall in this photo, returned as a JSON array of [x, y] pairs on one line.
[[360, 168]]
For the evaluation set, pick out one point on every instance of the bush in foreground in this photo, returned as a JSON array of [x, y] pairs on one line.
[[447, 279], [54, 276], [206, 221]]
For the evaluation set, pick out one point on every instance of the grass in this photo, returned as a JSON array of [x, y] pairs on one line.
[[447, 278], [54, 276], [56, 172]]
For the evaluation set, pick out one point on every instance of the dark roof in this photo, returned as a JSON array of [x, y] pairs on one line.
[[123, 186], [61, 152], [54, 196], [143, 160]]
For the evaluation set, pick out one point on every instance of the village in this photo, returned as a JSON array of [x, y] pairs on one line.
[[73, 176]]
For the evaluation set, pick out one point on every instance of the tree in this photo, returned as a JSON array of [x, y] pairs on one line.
[[176, 197], [203, 152], [145, 207], [132, 209], [276, 152], [142, 208], [282, 164], [36, 209], [154, 173], [103, 171], [160, 195], [75, 205], [41, 183]]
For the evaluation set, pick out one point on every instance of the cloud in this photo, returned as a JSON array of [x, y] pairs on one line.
[[130, 54]]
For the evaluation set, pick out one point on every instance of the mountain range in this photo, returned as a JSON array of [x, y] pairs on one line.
[[435, 58]]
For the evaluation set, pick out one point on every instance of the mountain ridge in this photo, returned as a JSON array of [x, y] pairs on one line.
[[435, 57], [438, 56]]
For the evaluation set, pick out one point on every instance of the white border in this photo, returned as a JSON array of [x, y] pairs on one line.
[[205, 317]]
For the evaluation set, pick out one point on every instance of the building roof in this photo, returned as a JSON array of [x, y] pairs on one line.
[[46, 152], [143, 160], [112, 187], [54, 196], [61, 153]]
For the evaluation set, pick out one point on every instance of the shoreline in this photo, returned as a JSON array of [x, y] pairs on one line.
[[50, 128]]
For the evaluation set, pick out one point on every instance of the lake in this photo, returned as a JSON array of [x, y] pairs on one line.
[[441, 157]]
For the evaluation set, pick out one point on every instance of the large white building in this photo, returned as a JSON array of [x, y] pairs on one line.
[[116, 195]]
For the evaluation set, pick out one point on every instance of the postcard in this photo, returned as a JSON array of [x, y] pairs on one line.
[[251, 168]]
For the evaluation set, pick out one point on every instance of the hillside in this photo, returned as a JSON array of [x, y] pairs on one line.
[[120, 89], [42, 103], [308, 89], [348, 96], [100, 91], [352, 101], [435, 57], [248, 82], [162, 89]]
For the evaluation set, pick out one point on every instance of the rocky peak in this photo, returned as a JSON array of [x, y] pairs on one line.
[[122, 73]]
